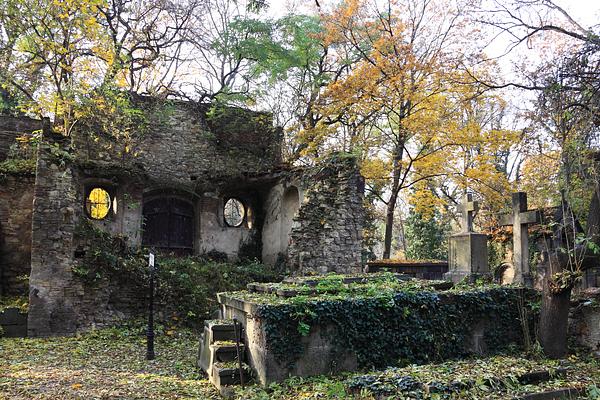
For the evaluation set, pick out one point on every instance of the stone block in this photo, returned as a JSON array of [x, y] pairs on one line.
[[14, 323], [467, 257]]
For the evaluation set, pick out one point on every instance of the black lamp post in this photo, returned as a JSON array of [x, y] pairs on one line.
[[150, 330]]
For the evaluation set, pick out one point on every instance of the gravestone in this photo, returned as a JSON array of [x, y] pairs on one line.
[[13, 322], [520, 218], [467, 250]]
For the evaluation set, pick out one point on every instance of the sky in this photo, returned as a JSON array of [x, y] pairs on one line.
[[585, 11]]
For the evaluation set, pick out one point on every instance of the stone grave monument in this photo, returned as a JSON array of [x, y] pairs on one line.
[[467, 250], [519, 220]]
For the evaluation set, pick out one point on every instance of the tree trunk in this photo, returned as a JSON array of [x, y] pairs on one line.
[[391, 205], [389, 225], [554, 315]]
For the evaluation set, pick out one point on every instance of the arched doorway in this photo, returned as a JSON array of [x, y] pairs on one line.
[[169, 225]]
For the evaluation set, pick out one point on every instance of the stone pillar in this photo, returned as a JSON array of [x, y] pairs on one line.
[[467, 251], [51, 296], [326, 235]]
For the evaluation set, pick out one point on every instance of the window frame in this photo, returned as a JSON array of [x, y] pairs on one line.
[[244, 216], [111, 206]]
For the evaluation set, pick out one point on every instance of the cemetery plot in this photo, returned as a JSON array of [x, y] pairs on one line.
[[499, 377], [313, 326]]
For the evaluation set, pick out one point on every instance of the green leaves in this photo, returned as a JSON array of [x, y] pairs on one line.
[[392, 327], [426, 237]]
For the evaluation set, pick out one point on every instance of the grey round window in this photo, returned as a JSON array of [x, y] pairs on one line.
[[234, 212]]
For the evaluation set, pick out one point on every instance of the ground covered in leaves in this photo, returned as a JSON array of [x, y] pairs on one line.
[[487, 378], [105, 364], [110, 363]]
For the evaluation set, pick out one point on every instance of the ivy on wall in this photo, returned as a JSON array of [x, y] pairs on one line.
[[186, 286], [398, 328]]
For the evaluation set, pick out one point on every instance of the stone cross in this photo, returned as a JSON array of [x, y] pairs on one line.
[[519, 219], [467, 208]]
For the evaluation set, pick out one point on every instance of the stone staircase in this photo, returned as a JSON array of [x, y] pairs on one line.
[[218, 354]]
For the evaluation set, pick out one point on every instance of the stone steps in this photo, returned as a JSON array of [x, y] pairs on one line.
[[218, 354]]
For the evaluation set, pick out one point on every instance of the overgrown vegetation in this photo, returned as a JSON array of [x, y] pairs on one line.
[[426, 236], [17, 167], [489, 378], [369, 319], [19, 302], [186, 286]]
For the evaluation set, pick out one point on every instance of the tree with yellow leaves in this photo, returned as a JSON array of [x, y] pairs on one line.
[[75, 59], [402, 106]]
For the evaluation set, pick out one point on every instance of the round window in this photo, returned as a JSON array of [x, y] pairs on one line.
[[97, 203], [234, 212]]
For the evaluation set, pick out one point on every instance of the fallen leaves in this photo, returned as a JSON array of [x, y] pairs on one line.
[[108, 363]]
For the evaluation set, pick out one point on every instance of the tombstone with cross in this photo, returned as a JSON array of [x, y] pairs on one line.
[[519, 219], [467, 250]]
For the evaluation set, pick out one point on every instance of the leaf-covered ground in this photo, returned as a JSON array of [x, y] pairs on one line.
[[105, 364], [487, 378], [110, 364]]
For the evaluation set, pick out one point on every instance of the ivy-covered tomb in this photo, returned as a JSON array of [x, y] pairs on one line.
[[322, 325]]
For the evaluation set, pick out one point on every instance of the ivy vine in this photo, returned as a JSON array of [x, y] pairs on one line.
[[398, 328]]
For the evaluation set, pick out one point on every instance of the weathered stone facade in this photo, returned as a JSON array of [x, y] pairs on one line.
[[327, 232], [16, 200], [181, 171], [13, 127]]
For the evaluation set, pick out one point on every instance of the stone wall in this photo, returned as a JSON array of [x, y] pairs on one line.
[[179, 156], [327, 231], [584, 320], [53, 296], [16, 202], [281, 208], [188, 148], [12, 127]]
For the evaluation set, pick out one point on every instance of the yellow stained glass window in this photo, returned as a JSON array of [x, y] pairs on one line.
[[98, 203]]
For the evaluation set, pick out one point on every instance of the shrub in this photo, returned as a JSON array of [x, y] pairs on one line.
[[189, 285]]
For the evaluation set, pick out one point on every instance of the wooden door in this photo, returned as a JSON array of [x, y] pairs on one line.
[[169, 225]]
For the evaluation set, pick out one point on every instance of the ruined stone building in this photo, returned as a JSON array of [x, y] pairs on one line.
[[193, 183]]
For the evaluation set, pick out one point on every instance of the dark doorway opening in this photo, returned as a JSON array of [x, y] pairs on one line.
[[169, 225]]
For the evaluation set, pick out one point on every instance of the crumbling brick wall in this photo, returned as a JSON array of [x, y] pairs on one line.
[[327, 233]]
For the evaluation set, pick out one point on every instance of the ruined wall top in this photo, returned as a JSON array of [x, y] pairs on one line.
[[12, 127], [184, 144]]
